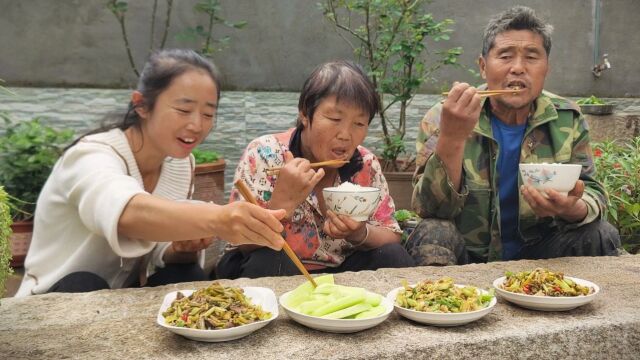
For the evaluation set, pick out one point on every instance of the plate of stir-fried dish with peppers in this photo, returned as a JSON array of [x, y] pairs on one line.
[[542, 289], [217, 312], [441, 302]]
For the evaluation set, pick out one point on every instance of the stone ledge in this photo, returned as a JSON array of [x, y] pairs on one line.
[[621, 126], [121, 323]]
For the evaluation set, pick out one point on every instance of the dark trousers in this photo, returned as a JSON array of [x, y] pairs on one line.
[[83, 281], [438, 242], [267, 262]]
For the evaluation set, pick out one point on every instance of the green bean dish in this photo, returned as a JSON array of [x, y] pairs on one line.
[[442, 296], [542, 282], [213, 308]]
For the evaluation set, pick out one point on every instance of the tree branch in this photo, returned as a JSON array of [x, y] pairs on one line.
[[153, 25], [167, 23]]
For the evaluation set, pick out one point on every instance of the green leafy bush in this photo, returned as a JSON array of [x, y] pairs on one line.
[[5, 232], [28, 151], [205, 156], [619, 170]]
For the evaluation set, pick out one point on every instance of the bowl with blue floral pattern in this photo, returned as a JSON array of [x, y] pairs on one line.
[[559, 177]]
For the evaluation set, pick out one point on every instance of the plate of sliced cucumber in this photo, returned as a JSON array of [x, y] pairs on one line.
[[335, 308]]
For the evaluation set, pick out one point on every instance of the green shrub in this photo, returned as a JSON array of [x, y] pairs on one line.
[[28, 151], [619, 170], [205, 156], [5, 232]]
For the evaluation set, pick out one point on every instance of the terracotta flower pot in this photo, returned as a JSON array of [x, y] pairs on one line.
[[209, 182], [400, 188], [19, 242]]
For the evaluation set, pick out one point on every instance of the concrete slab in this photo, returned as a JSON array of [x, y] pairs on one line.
[[116, 324]]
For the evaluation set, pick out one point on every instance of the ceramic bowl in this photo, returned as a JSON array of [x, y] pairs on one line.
[[357, 204], [335, 325], [559, 177], [441, 319], [547, 303], [257, 295]]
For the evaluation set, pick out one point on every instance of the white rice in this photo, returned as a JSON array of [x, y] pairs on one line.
[[350, 187]]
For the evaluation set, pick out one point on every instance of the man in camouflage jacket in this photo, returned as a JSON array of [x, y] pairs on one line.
[[458, 177]]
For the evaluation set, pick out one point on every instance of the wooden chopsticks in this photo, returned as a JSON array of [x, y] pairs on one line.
[[487, 93], [276, 170], [246, 193]]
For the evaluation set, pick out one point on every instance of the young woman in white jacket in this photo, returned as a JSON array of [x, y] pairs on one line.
[[113, 212]]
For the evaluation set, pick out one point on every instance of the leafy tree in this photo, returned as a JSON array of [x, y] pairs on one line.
[[391, 38]]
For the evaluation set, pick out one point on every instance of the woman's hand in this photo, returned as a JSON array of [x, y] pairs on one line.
[[344, 227], [185, 251], [244, 223], [295, 182], [186, 246]]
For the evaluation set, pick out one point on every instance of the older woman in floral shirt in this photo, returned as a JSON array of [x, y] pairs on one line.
[[336, 105]]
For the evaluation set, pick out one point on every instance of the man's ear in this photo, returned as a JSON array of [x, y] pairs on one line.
[[482, 66], [138, 103]]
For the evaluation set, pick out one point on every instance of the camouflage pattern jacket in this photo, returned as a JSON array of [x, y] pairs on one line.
[[556, 133]]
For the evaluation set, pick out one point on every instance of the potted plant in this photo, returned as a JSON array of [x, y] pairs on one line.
[[595, 106], [619, 171], [5, 233], [209, 176], [408, 220], [390, 37], [28, 151]]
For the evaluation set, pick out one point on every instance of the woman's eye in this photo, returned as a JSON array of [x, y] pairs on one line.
[[333, 119], [360, 124], [210, 116], [182, 111]]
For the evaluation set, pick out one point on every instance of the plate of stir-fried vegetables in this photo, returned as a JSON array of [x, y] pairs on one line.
[[217, 312], [542, 289], [441, 302]]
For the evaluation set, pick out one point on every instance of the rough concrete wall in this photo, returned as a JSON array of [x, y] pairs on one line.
[[78, 43]]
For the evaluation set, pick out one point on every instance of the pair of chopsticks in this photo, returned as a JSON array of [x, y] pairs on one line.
[[246, 193], [487, 93], [276, 170]]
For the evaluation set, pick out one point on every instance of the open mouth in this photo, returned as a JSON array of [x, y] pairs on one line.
[[187, 141], [339, 153], [516, 85]]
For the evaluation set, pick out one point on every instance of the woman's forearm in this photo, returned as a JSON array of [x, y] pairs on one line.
[[151, 218], [377, 236]]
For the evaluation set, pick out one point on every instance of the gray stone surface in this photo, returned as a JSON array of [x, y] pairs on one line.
[[78, 43], [620, 126], [115, 324]]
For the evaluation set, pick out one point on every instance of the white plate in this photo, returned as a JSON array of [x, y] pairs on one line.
[[336, 325], [547, 303], [257, 295], [440, 319]]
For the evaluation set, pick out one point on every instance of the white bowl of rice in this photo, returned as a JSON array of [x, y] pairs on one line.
[[559, 177], [355, 201]]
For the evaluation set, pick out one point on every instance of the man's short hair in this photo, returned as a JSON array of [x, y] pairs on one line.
[[516, 18]]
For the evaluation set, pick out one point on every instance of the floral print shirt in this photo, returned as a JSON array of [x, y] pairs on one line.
[[303, 232]]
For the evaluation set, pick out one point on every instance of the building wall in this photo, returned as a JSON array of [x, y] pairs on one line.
[[78, 43]]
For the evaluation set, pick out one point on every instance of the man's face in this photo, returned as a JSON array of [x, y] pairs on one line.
[[517, 60]]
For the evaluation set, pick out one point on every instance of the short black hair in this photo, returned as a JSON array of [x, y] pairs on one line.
[[516, 18]]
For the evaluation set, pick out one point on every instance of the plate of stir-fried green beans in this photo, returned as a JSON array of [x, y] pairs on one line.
[[217, 312], [441, 302], [542, 289]]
